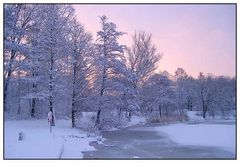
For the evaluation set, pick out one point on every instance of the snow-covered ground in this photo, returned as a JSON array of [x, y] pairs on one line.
[[212, 135], [65, 142], [38, 142]]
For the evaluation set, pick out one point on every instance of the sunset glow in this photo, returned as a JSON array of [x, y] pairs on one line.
[[198, 38]]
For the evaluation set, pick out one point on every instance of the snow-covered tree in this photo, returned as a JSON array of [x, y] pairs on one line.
[[180, 77], [190, 93], [17, 23], [81, 63], [158, 94], [33, 63], [51, 46], [220, 96], [110, 65], [129, 95], [208, 91]]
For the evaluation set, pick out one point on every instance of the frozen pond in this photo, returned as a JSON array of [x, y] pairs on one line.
[[137, 142]]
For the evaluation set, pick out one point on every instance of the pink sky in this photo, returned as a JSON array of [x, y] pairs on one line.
[[198, 38]]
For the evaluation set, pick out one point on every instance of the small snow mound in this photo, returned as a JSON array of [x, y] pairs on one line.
[[136, 157]]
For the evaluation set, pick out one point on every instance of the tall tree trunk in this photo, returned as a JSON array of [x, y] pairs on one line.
[[33, 102], [74, 77], [101, 94], [99, 110], [33, 108], [203, 103], [73, 116], [51, 97], [34, 99], [160, 111], [74, 94], [188, 105], [205, 111], [51, 87], [98, 117]]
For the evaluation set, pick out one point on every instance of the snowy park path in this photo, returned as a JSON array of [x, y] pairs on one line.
[[151, 142]]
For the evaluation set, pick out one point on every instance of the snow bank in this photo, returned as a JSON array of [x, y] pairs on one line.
[[75, 144], [136, 120], [215, 135], [39, 143], [195, 117]]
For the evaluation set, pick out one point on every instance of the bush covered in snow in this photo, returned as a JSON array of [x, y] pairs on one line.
[[86, 121]]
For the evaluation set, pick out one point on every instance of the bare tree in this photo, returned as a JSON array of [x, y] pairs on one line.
[[142, 56]]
